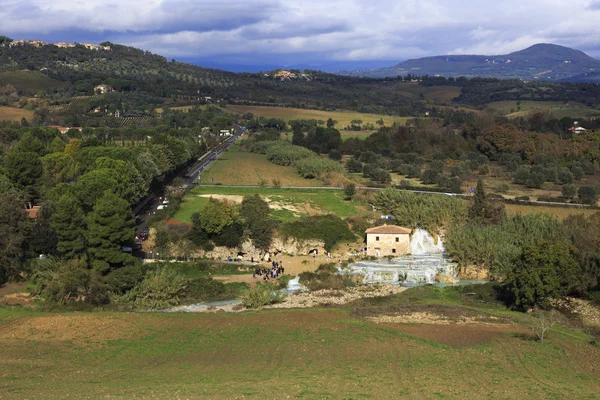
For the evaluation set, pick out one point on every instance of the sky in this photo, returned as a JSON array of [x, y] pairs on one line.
[[326, 34]]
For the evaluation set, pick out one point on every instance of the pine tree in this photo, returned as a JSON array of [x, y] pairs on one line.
[[14, 227], [110, 227], [68, 221]]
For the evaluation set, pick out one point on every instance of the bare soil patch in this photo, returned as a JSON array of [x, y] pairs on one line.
[[235, 199], [458, 335], [453, 326], [79, 329]]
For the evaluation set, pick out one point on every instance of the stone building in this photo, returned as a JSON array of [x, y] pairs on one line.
[[388, 240]]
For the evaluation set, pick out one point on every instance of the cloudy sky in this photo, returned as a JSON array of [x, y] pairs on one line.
[[329, 33]]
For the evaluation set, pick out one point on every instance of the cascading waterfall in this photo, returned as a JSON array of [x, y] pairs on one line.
[[422, 243], [425, 263]]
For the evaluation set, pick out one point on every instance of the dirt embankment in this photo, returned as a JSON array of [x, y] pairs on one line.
[[13, 294]]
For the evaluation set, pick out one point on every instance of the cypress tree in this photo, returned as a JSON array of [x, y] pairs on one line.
[[110, 227], [68, 222]]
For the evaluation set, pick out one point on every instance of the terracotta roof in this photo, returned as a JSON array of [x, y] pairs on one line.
[[389, 229], [33, 211]]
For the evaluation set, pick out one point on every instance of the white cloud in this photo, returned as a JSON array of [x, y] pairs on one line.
[[334, 29]]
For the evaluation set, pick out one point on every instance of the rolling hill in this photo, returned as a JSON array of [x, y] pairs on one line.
[[538, 62]]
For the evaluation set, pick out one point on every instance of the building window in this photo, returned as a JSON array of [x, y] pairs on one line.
[[377, 238], [397, 239], [394, 251]]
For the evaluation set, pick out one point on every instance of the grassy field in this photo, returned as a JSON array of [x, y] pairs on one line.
[[287, 204], [29, 80], [331, 353], [343, 117], [362, 135], [559, 109], [236, 167], [15, 114]]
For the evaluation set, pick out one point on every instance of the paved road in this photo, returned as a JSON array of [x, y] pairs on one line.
[[193, 172], [150, 203]]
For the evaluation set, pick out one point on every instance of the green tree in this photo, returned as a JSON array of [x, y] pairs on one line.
[[59, 168], [255, 212], [110, 227], [297, 135], [483, 210], [542, 272], [43, 238], [63, 281], [331, 122], [587, 195], [24, 169], [215, 216], [568, 191], [68, 221], [350, 190], [57, 145], [14, 229]]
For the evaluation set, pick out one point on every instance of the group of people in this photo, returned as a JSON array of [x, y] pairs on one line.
[[270, 273]]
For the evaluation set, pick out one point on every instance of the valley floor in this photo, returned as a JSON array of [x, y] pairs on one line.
[[379, 348]]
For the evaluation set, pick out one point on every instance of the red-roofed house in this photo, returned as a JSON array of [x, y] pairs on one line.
[[65, 129], [32, 212]]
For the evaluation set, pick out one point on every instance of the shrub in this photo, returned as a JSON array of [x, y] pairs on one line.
[[328, 228], [159, 289], [503, 188], [413, 210], [405, 184], [322, 280], [123, 279], [335, 155], [284, 153], [329, 267], [350, 190], [260, 295], [263, 146], [208, 289], [315, 167], [354, 165], [65, 281]]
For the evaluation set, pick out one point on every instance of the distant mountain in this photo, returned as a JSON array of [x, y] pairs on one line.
[[540, 61]]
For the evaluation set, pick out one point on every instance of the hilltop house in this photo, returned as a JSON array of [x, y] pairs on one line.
[[103, 89], [576, 128], [65, 129], [117, 113], [32, 212], [388, 240]]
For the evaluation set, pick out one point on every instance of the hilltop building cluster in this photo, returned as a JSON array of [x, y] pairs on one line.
[[64, 45]]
